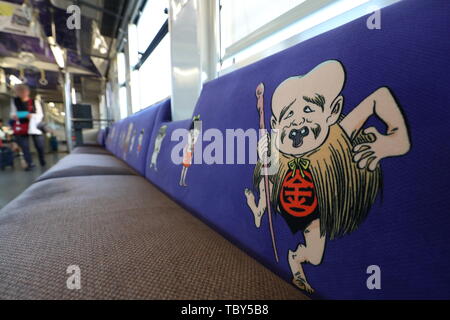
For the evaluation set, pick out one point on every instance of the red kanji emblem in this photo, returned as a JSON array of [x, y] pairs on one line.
[[297, 195]]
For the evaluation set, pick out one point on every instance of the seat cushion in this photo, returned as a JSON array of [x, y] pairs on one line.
[[90, 150], [130, 242], [75, 165]]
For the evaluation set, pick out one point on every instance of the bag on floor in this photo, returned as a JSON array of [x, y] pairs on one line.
[[6, 158]]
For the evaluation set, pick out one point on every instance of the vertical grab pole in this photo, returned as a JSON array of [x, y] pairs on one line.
[[68, 108], [262, 126]]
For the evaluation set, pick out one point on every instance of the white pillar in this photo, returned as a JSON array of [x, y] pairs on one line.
[[194, 51]]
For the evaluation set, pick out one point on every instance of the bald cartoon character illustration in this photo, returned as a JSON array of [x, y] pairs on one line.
[[327, 172]]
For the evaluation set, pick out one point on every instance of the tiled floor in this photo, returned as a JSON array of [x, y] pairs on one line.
[[14, 181]]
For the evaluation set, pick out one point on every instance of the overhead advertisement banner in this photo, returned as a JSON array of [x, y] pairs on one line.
[[17, 19]]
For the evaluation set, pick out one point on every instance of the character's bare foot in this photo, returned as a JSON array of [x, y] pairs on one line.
[[302, 284], [251, 204], [295, 262]]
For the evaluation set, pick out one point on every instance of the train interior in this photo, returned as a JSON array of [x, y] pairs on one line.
[[224, 150]]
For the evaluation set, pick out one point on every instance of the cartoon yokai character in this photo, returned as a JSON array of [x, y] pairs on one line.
[[127, 139], [133, 138], [328, 172], [111, 135], [188, 150], [158, 142], [140, 139], [121, 138]]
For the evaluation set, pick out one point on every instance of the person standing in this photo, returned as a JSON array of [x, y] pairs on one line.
[[27, 114], [2, 134]]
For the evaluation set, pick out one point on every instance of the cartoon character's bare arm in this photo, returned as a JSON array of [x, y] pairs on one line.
[[395, 142]]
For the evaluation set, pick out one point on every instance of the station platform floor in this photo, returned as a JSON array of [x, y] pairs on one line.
[[14, 181]]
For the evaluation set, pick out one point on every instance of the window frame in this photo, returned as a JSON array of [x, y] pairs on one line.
[[227, 62], [137, 59]]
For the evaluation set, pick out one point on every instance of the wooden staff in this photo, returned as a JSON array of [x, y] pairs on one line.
[[262, 126]]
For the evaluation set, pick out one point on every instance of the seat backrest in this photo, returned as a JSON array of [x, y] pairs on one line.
[[110, 139], [401, 74], [101, 137], [138, 131], [116, 137], [162, 122]]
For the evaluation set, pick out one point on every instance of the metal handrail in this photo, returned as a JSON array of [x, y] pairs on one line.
[[93, 120]]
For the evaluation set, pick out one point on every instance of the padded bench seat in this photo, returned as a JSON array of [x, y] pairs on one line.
[[79, 164], [90, 150], [130, 242]]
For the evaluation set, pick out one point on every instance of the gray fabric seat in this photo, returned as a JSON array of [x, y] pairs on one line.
[[74, 165], [130, 242], [90, 149]]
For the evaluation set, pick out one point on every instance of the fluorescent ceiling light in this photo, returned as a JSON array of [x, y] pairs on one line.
[[74, 96], [14, 80], [58, 53], [51, 41]]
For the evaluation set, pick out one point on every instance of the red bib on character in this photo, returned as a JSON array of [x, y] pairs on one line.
[[298, 196]]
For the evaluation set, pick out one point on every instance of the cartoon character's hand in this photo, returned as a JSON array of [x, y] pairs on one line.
[[368, 155], [263, 146]]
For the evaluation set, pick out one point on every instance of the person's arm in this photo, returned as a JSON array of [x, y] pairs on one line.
[[395, 142], [39, 114], [13, 110]]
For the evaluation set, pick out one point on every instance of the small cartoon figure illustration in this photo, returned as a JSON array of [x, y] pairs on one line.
[[133, 138], [140, 139], [111, 135], [127, 139], [121, 138], [188, 150], [327, 172], [158, 142]]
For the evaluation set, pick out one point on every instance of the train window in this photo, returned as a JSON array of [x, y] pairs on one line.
[[150, 73], [121, 68], [155, 75], [121, 81], [133, 58], [240, 18], [150, 21], [123, 102], [246, 35]]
